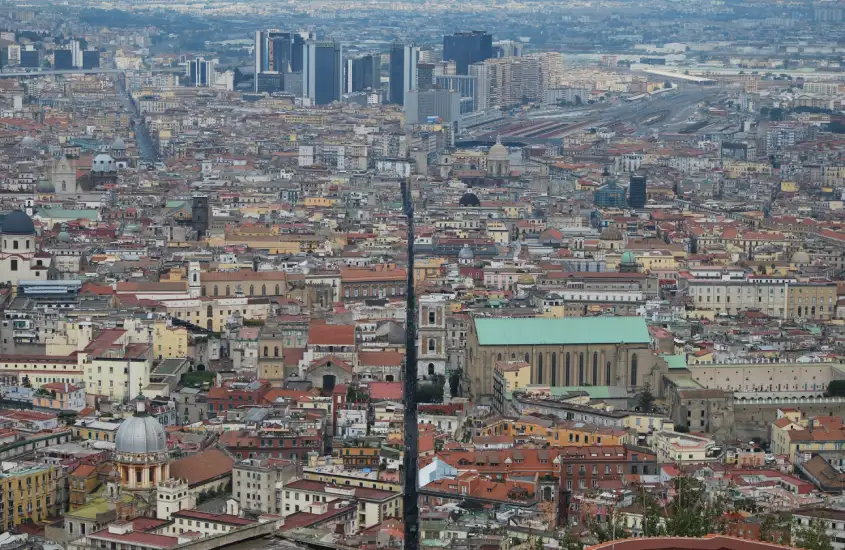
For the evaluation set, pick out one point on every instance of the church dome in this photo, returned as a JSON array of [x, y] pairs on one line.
[[611, 234], [29, 141], [63, 237], [628, 258], [525, 279], [498, 152], [801, 258], [103, 163], [141, 434], [118, 144], [18, 223], [466, 253], [469, 199]]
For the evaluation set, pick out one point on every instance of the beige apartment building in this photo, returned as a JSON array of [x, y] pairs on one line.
[[781, 297]]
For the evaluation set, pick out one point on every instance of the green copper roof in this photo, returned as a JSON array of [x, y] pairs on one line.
[[675, 361], [69, 214], [505, 331]]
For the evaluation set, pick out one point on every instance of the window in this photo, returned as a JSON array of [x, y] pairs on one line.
[[554, 369], [431, 318], [595, 368], [581, 369], [14, 265], [15, 244], [607, 374], [566, 371], [634, 369], [431, 344], [540, 369]]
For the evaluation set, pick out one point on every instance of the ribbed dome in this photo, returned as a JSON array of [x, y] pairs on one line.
[[118, 143], [466, 253], [63, 237], [141, 434], [497, 152], [45, 186], [628, 258], [469, 199], [18, 223]]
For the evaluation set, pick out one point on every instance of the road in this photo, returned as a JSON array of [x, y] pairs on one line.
[[146, 147]]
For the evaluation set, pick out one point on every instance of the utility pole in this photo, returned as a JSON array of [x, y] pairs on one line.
[[410, 502]]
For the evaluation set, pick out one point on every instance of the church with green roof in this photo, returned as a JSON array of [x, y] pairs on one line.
[[572, 351]]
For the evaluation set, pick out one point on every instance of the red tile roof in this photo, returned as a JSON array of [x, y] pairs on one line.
[[202, 467]]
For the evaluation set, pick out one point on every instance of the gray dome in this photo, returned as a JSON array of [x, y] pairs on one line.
[[118, 143], [18, 223], [466, 253], [63, 237], [103, 163], [141, 434], [498, 152]]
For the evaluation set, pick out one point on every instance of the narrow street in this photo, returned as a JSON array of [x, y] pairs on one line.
[[146, 148]]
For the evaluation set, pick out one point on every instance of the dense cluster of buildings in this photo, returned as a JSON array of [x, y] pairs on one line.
[[627, 271]]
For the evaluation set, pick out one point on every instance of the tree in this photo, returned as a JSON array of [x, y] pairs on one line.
[[836, 388], [761, 269], [569, 542], [693, 513], [645, 402], [766, 528], [811, 537]]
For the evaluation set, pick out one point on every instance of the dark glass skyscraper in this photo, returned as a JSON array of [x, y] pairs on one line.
[[322, 71], [403, 71], [91, 59], [636, 191], [362, 73], [466, 48], [62, 59]]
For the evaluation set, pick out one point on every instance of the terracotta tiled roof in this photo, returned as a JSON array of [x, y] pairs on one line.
[[202, 467]]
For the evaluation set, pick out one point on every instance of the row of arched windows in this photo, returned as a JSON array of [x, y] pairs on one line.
[[567, 381]]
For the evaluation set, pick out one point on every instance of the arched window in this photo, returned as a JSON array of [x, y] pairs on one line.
[[581, 369], [277, 290], [266, 351], [215, 290], [209, 311], [431, 369], [527, 358], [264, 290], [540, 369], [499, 357], [275, 351], [252, 290], [227, 290], [566, 370], [634, 369], [607, 374], [595, 368], [431, 344], [554, 368]]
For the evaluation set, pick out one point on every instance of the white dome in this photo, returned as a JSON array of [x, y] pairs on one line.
[[141, 434], [498, 152], [103, 163]]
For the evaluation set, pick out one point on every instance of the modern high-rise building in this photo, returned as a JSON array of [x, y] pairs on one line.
[[444, 105], [363, 73], [322, 71], [278, 51], [200, 72], [425, 76], [466, 48], [91, 59], [30, 59], [464, 85], [76, 52], [403, 71], [62, 59], [507, 48], [637, 191]]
